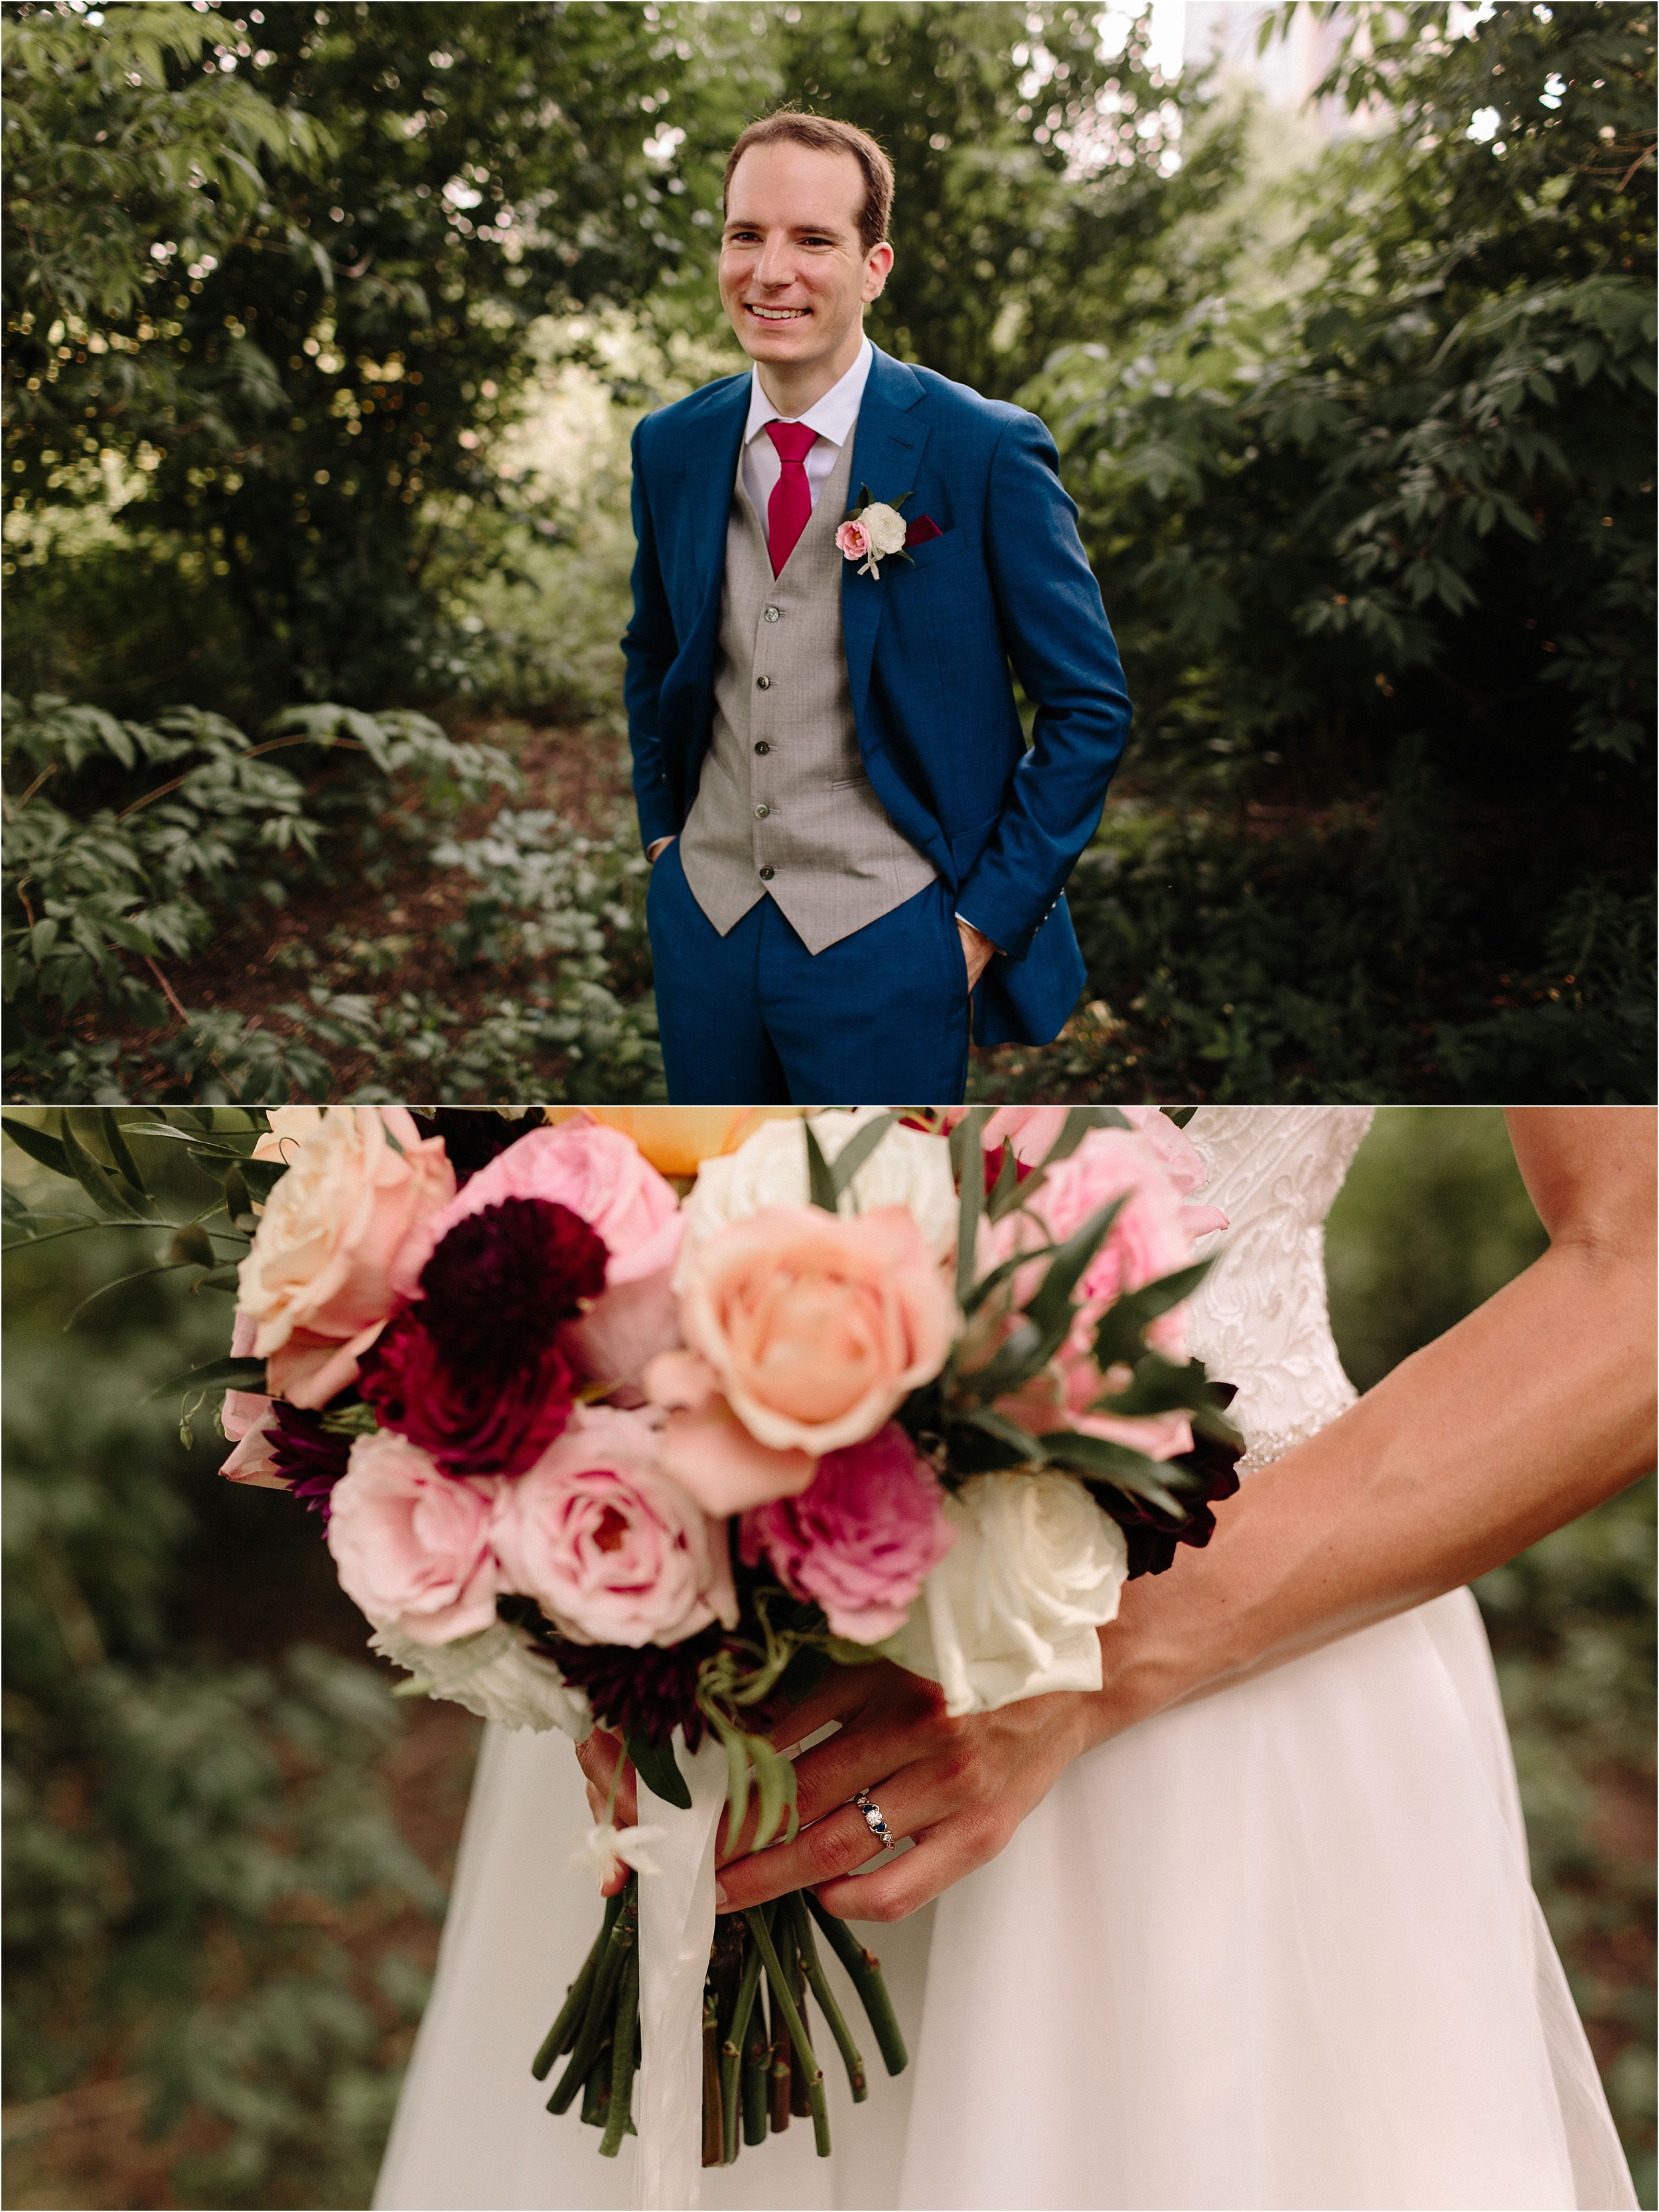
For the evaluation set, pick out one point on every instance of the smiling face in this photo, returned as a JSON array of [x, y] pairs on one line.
[[794, 273]]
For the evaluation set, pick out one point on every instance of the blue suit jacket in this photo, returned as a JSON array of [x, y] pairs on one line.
[[928, 647]]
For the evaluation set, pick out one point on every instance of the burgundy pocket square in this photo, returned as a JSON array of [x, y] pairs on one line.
[[921, 530]]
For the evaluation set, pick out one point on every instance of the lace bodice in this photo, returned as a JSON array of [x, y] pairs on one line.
[[1259, 1319]]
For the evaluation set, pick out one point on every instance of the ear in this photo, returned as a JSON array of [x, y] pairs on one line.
[[877, 266]]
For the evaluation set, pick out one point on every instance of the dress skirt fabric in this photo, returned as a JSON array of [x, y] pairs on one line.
[[1277, 1948]]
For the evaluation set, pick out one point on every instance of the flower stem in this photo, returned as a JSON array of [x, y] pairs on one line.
[[732, 2049], [792, 2020], [567, 2026], [782, 2073], [624, 2043], [713, 2122], [826, 1998], [757, 2057], [866, 1969], [618, 1951]]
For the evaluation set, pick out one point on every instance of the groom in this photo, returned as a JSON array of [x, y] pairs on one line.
[[856, 854]]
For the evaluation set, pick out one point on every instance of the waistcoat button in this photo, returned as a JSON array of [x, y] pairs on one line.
[[762, 683], [763, 747], [771, 614], [761, 813], [767, 874]]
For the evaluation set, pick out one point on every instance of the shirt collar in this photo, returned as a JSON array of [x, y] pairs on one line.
[[832, 417]]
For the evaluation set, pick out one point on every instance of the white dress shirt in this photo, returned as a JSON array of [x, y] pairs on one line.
[[834, 418]]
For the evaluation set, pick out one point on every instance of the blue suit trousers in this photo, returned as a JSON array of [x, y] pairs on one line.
[[753, 1018]]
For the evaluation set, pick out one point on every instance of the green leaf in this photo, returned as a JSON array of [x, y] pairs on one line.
[[1005, 1194], [238, 1205], [821, 1184], [1072, 1130], [857, 1149], [191, 1247], [966, 1158], [776, 1777], [229, 1373], [119, 1151], [1101, 1462], [659, 1769], [49, 1151], [1125, 1322], [737, 1772], [1050, 1305], [109, 1191]]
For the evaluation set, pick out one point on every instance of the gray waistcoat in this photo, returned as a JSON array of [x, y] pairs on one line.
[[783, 787]]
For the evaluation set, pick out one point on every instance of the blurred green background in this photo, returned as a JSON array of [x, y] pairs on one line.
[[326, 330], [226, 1846]]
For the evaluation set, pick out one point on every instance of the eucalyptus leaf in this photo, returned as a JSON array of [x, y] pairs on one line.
[[820, 1183], [657, 1768], [1100, 1461], [1124, 1324], [775, 1777], [39, 1144], [229, 1373], [109, 1191], [857, 1149], [968, 1158]]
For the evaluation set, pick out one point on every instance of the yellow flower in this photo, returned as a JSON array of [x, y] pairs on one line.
[[677, 1139]]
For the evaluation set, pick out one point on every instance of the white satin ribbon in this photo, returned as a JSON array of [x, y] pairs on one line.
[[676, 1926]]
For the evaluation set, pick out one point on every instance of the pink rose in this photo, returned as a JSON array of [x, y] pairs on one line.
[[854, 540], [815, 1327], [611, 1550], [250, 1421], [412, 1543], [1151, 1237], [621, 1331], [362, 1183], [862, 1538], [598, 1173]]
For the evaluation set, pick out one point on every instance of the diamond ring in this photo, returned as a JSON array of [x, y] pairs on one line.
[[873, 1819]]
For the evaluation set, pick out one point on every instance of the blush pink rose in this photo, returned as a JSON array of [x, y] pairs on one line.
[[815, 1327], [411, 1543], [853, 539], [361, 1183], [861, 1539], [1151, 1236], [598, 1173], [621, 1331], [1062, 1397], [613, 1550]]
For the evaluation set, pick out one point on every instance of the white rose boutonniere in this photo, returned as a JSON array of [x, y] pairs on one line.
[[873, 532]]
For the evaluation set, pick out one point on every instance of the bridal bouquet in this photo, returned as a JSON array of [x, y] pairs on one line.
[[644, 1420]]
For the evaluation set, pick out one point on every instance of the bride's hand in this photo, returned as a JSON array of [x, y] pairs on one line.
[[960, 1788]]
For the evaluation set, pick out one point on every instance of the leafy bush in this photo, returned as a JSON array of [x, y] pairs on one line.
[[195, 1812]]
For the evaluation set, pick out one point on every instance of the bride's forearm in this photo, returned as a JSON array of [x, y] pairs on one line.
[[1534, 1409]]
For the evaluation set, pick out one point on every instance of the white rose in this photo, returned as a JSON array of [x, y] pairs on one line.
[[494, 1674], [885, 528], [908, 1168], [1011, 1610]]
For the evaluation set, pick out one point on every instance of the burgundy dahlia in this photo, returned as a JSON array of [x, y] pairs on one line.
[[472, 1374], [653, 1690], [310, 1458], [1151, 1535]]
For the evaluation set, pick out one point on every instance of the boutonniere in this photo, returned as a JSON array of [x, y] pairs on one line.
[[874, 531]]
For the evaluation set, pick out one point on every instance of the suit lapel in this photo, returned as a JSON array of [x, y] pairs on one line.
[[887, 449], [711, 469]]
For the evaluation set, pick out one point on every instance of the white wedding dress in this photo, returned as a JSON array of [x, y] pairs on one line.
[[1278, 1948]]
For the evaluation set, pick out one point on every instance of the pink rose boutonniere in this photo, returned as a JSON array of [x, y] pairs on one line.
[[875, 531]]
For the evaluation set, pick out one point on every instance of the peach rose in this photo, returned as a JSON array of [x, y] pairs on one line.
[[361, 1183], [678, 1139], [816, 1327], [707, 1449], [597, 1172], [411, 1543]]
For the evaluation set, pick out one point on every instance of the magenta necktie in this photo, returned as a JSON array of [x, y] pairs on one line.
[[791, 504]]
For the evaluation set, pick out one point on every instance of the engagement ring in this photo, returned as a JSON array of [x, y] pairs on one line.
[[872, 1818]]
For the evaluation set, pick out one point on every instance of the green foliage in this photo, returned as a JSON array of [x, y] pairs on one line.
[[131, 841], [194, 1805]]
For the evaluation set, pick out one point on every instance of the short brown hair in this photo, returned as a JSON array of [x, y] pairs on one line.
[[825, 136]]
